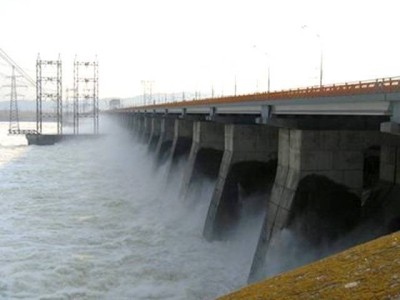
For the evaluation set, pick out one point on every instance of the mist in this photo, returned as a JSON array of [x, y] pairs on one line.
[[176, 262]]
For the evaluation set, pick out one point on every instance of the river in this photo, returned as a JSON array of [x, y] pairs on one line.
[[100, 220]]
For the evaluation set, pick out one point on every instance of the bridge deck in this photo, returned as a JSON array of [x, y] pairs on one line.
[[370, 87]]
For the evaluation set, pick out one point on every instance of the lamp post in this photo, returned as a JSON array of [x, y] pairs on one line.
[[321, 55], [269, 76], [268, 70], [321, 60]]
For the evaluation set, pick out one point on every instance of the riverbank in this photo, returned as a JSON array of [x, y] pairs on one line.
[[367, 271]]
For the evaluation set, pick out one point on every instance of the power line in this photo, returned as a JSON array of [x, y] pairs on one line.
[[11, 62]]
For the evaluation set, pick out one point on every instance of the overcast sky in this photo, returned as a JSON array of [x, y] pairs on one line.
[[187, 45]]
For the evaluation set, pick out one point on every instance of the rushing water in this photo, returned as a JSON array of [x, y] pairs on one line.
[[99, 220]]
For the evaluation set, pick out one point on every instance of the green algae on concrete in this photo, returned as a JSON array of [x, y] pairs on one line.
[[367, 271]]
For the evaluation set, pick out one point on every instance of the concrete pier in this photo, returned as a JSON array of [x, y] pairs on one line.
[[306, 157], [155, 133], [130, 121], [389, 169], [249, 161], [137, 124], [338, 149], [205, 153], [183, 138], [145, 128], [165, 140]]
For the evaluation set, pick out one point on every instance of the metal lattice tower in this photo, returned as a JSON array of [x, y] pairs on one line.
[[147, 91], [48, 87], [86, 93], [14, 127], [14, 118], [68, 99]]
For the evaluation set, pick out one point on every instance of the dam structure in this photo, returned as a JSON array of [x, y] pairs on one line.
[[321, 160]]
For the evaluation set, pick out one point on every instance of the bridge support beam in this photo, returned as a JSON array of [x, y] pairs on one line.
[[205, 153], [335, 155], [166, 138], [183, 138], [243, 143], [155, 132]]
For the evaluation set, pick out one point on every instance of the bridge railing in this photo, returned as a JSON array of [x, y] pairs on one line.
[[375, 86]]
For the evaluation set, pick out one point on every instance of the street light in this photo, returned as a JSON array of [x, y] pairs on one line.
[[268, 69], [269, 75], [321, 60], [321, 57]]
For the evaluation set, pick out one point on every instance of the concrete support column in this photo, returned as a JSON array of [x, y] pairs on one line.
[[146, 128], [183, 137], [166, 137], [206, 135], [336, 155], [134, 122], [389, 168], [155, 132], [255, 143], [123, 119], [130, 121], [139, 124]]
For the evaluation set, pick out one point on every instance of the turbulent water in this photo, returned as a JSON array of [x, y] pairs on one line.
[[99, 220]]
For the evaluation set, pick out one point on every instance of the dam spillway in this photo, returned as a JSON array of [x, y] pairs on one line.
[[316, 177]]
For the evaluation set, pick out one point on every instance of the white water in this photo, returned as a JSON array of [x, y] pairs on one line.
[[97, 220]]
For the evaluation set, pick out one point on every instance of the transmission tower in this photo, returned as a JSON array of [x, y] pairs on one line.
[[14, 117], [48, 87], [69, 95], [147, 91], [16, 69], [86, 93]]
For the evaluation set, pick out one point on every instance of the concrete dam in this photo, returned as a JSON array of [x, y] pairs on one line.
[[321, 162]]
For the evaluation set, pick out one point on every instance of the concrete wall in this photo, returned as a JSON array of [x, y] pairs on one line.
[[183, 138], [166, 138], [155, 132], [206, 135], [337, 155], [255, 143], [389, 169], [146, 128]]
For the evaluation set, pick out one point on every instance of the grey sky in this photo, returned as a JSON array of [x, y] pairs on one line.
[[186, 45]]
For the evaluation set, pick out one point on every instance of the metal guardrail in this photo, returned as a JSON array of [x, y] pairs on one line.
[[376, 86]]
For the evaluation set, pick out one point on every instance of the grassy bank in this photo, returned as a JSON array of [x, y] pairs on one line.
[[367, 271]]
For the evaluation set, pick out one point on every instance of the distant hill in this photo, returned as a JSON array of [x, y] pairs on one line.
[[23, 105]]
